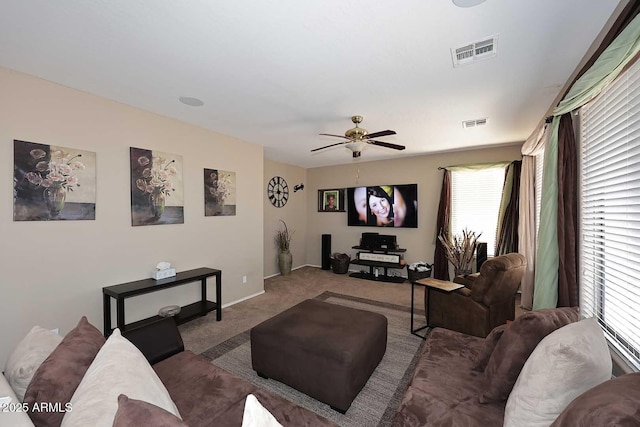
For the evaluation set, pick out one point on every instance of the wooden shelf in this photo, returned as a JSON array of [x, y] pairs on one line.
[[144, 286], [380, 278], [187, 313], [378, 264], [379, 250], [140, 287]]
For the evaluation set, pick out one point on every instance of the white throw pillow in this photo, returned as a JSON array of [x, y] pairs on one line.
[[119, 368], [27, 357], [565, 364], [255, 415], [11, 411]]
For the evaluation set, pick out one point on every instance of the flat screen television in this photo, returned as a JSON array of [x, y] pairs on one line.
[[383, 206]]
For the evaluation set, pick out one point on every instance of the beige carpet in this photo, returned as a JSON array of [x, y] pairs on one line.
[[282, 292], [377, 403]]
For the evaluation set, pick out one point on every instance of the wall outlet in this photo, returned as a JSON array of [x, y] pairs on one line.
[[56, 331], [244, 279]]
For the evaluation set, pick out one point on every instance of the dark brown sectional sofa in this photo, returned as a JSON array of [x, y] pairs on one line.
[[204, 394], [461, 380], [209, 396], [445, 387]]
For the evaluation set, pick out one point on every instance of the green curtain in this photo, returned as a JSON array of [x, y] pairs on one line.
[[545, 293], [604, 70]]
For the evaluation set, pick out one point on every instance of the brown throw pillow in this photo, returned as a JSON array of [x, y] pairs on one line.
[[135, 413], [490, 343], [57, 378], [514, 348], [612, 403]]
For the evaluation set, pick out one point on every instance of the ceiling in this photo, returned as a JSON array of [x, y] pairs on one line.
[[279, 73]]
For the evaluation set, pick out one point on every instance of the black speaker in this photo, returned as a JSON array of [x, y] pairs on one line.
[[481, 255], [326, 251], [368, 240]]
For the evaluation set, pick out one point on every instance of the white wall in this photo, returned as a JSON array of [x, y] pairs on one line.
[[53, 271], [421, 170], [294, 213]]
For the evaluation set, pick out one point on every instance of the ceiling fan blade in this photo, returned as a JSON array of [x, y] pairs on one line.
[[387, 145], [338, 136], [327, 146], [381, 133]]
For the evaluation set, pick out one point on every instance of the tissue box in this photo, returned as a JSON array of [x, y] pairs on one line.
[[163, 274]]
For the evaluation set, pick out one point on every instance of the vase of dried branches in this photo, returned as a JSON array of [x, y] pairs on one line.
[[460, 250], [283, 242]]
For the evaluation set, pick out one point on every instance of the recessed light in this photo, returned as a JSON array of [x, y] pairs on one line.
[[190, 101], [467, 3]]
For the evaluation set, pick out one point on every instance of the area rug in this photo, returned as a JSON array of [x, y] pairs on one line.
[[380, 398]]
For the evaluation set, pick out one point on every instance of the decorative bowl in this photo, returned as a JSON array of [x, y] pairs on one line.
[[169, 311]]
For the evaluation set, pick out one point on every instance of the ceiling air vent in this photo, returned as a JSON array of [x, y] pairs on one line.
[[473, 123], [475, 51]]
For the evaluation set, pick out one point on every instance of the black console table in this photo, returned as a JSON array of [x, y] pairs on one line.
[[140, 287], [379, 264]]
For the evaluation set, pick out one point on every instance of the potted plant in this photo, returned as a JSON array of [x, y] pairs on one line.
[[460, 250], [283, 242]]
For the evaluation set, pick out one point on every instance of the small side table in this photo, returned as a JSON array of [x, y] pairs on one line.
[[429, 284]]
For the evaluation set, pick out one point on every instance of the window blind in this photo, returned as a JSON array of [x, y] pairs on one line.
[[610, 212], [475, 202]]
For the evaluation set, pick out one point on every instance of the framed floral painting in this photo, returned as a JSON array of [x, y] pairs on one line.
[[219, 193], [157, 194], [52, 183]]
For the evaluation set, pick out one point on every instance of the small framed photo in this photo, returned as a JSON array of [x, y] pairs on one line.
[[331, 200]]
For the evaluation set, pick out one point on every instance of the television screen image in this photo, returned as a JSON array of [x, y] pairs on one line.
[[383, 206]]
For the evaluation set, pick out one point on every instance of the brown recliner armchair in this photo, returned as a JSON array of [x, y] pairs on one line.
[[486, 301]]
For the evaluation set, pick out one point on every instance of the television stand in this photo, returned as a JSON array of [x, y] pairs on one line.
[[372, 264]]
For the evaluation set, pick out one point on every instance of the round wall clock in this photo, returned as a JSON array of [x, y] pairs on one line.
[[278, 191]]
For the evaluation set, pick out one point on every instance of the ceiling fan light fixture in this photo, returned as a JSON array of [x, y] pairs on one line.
[[357, 138], [355, 146], [468, 3]]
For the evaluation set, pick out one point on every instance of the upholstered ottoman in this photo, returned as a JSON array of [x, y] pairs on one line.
[[324, 350]]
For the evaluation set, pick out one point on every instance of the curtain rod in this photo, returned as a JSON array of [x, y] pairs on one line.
[[476, 166]]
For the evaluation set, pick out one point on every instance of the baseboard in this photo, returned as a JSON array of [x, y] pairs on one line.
[[242, 299], [295, 268]]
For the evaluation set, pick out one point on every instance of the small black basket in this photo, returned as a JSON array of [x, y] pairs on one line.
[[414, 275], [340, 263]]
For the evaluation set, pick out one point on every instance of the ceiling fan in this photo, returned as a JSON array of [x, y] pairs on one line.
[[357, 138]]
